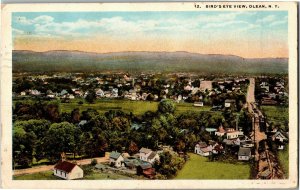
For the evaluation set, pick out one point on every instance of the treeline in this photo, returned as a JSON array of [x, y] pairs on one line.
[[40, 131]]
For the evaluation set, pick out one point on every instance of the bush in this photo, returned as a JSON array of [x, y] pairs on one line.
[[80, 102], [94, 162]]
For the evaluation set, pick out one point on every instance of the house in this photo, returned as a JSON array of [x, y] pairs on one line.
[[229, 103], [202, 149], [198, 104], [116, 159], [145, 169], [23, 93], [232, 133], [68, 170], [35, 92], [63, 92], [211, 130], [220, 132], [279, 136], [148, 155], [217, 149], [244, 153]]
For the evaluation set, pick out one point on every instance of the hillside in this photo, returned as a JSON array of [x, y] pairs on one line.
[[76, 61]]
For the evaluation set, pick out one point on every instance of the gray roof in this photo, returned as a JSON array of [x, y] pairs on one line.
[[152, 155], [145, 150], [63, 92], [145, 165], [100, 166], [244, 152], [202, 144], [229, 101], [114, 155]]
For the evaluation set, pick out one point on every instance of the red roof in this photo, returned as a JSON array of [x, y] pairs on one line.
[[65, 166]]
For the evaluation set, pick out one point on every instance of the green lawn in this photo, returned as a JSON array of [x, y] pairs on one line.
[[277, 114], [48, 175], [283, 157], [199, 167], [106, 176], [136, 107]]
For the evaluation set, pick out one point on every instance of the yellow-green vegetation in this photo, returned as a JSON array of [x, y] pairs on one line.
[[136, 107], [47, 175], [106, 176], [277, 115], [127, 106], [283, 157], [199, 167]]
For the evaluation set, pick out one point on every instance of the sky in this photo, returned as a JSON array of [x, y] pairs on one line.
[[249, 34]]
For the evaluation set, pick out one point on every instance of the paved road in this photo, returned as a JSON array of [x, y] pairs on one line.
[[50, 167]]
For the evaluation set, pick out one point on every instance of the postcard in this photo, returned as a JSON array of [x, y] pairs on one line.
[[178, 95]]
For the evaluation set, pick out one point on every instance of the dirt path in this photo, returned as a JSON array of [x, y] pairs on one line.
[[50, 167]]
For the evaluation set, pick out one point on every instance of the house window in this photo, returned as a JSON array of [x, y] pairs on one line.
[[65, 175]]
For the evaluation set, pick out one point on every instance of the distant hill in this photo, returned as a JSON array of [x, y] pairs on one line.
[[76, 61]]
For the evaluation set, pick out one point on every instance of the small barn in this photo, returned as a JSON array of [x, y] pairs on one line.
[[244, 153], [68, 170]]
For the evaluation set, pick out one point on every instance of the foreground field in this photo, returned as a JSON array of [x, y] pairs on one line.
[[199, 167], [277, 115], [136, 107], [283, 157], [48, 175]]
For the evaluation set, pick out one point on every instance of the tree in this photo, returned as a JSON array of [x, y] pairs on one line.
[[91, 96], [166, 106], [23, 146], [60, 138], [133, 148], [75, 115]]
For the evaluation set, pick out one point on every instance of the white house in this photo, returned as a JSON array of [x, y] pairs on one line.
[[148, 155], [116, 159], [68, 170], [220, 131], [229, 103], [232, 133], [244, 153], [202, 149], [279, 136], [198, 104]]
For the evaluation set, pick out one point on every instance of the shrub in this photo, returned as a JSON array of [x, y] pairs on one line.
[[94, 162]]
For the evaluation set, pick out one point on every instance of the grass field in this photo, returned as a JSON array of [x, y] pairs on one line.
[[277, 114], [48, 175], [136, 107], [283, 157], [199, 167]]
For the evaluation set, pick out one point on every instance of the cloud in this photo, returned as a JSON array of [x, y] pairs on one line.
[[266, 19], [23, 20], [223, 24], [17, 31], [280, 22]]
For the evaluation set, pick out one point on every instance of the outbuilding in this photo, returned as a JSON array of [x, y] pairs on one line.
[[68, 170]]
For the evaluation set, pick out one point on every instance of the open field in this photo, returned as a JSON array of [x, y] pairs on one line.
[[136, 107], [277, 114], [283, 157], [199, 167], [48, 175]]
